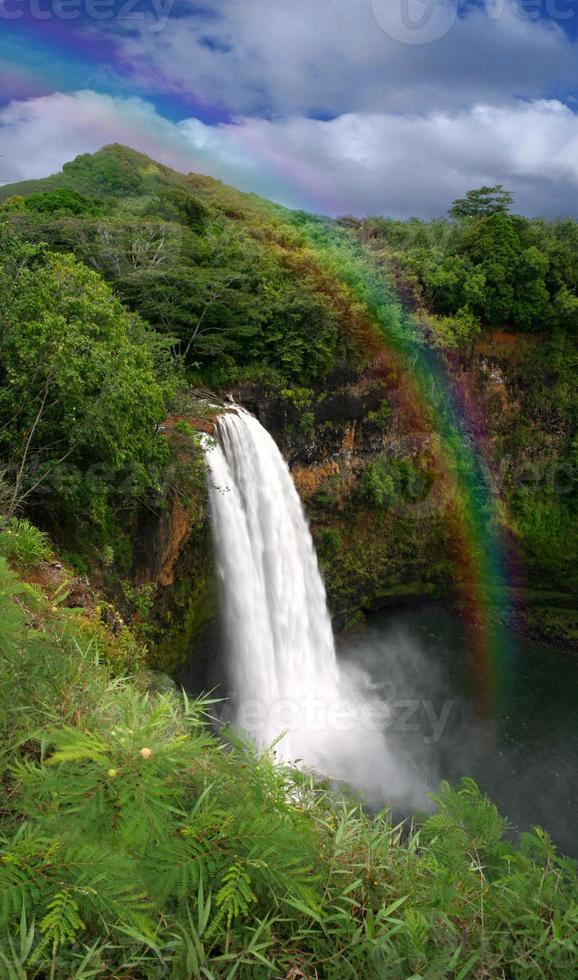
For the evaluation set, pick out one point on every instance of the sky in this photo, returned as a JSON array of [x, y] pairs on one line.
[[389, 107]]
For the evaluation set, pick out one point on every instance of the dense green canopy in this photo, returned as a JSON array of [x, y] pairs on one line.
[[81, 389]]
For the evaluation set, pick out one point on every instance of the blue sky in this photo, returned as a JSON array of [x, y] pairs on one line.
[[382, 106]]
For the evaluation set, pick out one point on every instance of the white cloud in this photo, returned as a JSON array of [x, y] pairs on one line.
[[417, 164], [293, 57], [359, 162], [38, 135]]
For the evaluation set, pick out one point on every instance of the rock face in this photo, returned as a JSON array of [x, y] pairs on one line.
[[313, 426], [172, 554], [336, 441], [366, 467], [381, 514], [159, 545]]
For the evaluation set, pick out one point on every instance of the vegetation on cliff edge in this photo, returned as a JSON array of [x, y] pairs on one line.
[[133, 843]]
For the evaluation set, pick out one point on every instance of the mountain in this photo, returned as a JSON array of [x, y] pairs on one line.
[[354, 341], [116, 171]]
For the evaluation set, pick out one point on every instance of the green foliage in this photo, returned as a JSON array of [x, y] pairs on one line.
[[24, 543], [546, 525], [140, 598], [300, 398], [13, 204], [234, 898], [301, 404], [133, 844], [234, 291], [386, 482], [82, 389], [329, 543], [62, 201], [238, 287], [124, 653], [482, 203], [454, 332], [109, 172], [539, 485], [381, 415], [60, 926], [378, 484], [487, 265], [243, 291], [184, 207], [492, 246]]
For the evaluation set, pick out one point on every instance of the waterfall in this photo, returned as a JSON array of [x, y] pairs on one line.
[[281, 651]]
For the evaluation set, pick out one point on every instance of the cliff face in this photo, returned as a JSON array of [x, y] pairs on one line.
[[369, 555], [364, 480], [173, 556], [524, 389], [380, 510]]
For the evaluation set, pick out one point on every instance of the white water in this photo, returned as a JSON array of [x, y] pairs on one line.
[[281, 651]]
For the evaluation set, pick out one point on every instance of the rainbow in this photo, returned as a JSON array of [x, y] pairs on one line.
[[438, 403], [70, 57]]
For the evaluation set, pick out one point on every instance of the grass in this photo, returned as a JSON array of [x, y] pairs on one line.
[[24, 543]]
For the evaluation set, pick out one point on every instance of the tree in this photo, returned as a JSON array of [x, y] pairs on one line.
[[184, 300], [79, 388], [532, 306], [482, 203], [492, 247], [62, 201]]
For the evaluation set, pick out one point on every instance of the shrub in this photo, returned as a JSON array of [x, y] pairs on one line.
[[62, 201], [24, 543], [133, 844], [378, 484], [13, 204], [381, 415], [386, 482], [330, 542]]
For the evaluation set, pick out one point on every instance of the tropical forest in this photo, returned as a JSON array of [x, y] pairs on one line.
[[288, 538]]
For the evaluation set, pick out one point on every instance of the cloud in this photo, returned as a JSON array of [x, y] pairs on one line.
[[413, 164], [401, 165], [291, 57], [38, 135]]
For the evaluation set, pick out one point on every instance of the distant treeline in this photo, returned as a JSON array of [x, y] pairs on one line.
[[505, 270]]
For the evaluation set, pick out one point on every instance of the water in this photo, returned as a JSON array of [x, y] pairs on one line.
[[526, 759], [395, 709], [281, 660]]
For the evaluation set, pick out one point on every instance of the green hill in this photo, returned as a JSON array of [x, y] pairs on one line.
[[219, 270], [333, 331], [134, 842], [118, 171]]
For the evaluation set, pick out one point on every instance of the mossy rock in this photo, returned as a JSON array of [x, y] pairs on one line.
[[184, 626]]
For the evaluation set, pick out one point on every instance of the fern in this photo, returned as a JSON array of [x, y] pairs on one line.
[[60, 926], [189, 859], [177, 867], [234, 898], [14, 883]]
